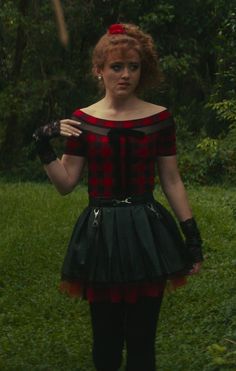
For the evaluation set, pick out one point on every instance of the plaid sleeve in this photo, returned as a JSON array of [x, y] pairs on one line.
[[166, 141], [76, 146]]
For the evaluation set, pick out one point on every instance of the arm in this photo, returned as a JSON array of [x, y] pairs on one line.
[[176, 195], [65, 173], [173, 187]]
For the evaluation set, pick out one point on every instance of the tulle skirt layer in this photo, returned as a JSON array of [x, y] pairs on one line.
[[123, 252]]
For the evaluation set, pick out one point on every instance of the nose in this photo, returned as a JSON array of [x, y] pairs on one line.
[[125, 74]]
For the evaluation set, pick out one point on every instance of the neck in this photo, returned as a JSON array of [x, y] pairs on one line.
[[119, 104]]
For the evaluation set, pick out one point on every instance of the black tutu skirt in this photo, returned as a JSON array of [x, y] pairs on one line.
[[125, 243]]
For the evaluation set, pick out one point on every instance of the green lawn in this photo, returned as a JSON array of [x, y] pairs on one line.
[[40, 329]]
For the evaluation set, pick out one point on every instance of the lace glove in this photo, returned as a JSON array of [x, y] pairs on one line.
[[192, 239], [42, 137]]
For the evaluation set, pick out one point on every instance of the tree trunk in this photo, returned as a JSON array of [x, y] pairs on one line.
[[12, 141]]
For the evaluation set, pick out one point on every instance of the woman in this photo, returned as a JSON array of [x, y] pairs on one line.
[[125, 245]]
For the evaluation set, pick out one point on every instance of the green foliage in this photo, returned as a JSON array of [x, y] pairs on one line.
[[206, 160], [222, 98], [222, 357], [40, 80], [225, 110], [44, 330]]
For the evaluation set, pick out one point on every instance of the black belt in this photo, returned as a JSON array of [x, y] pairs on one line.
[[126, 201]]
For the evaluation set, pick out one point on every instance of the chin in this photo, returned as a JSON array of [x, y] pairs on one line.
[[123, 93]]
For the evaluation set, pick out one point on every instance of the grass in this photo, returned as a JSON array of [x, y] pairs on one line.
[[40, 329]]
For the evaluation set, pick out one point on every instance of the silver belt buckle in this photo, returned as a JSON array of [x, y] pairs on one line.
[[125, 201]]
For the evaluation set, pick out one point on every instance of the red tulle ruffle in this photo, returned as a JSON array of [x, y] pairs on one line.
[[129, 293]]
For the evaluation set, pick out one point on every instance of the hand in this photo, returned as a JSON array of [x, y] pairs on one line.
[[65, 128], [44, 134], [193, 240], [69, 128], [196, 269]]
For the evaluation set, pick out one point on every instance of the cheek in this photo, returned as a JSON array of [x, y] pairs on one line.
[[137, 76], [110, 77], [139, 73]]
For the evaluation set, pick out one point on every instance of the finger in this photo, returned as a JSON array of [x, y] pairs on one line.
[[69, 130], [70, 133], [69, 127], [196, 268], [71, 122]]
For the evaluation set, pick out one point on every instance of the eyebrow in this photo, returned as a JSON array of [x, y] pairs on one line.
[[121, 61]]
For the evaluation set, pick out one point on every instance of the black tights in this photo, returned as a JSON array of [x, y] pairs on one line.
[[115, 324]]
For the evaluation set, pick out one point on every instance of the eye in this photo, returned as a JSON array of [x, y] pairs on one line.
[[134, 66], [116, 67]]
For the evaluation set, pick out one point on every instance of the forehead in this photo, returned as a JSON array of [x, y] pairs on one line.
[[122, 54]]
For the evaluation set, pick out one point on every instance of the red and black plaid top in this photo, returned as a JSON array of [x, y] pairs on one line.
[[123, 164]]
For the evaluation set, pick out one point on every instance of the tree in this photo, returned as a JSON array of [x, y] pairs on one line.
[[40, 80]]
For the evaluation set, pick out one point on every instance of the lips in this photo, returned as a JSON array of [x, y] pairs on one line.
[[125, 84]]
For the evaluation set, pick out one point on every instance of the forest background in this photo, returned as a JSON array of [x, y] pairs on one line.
[[40, 80]]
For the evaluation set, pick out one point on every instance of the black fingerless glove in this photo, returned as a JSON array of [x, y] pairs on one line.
[[192, 239], [42, 137]]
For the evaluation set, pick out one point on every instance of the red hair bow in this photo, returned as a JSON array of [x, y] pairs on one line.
[[116, 29]]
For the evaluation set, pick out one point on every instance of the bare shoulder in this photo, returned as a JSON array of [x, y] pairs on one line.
[[151, 109], [92, 109]]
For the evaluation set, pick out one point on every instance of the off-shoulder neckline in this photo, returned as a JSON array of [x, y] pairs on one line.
[[162, 115]]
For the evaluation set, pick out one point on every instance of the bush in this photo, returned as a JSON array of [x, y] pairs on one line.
[[207, 160]]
